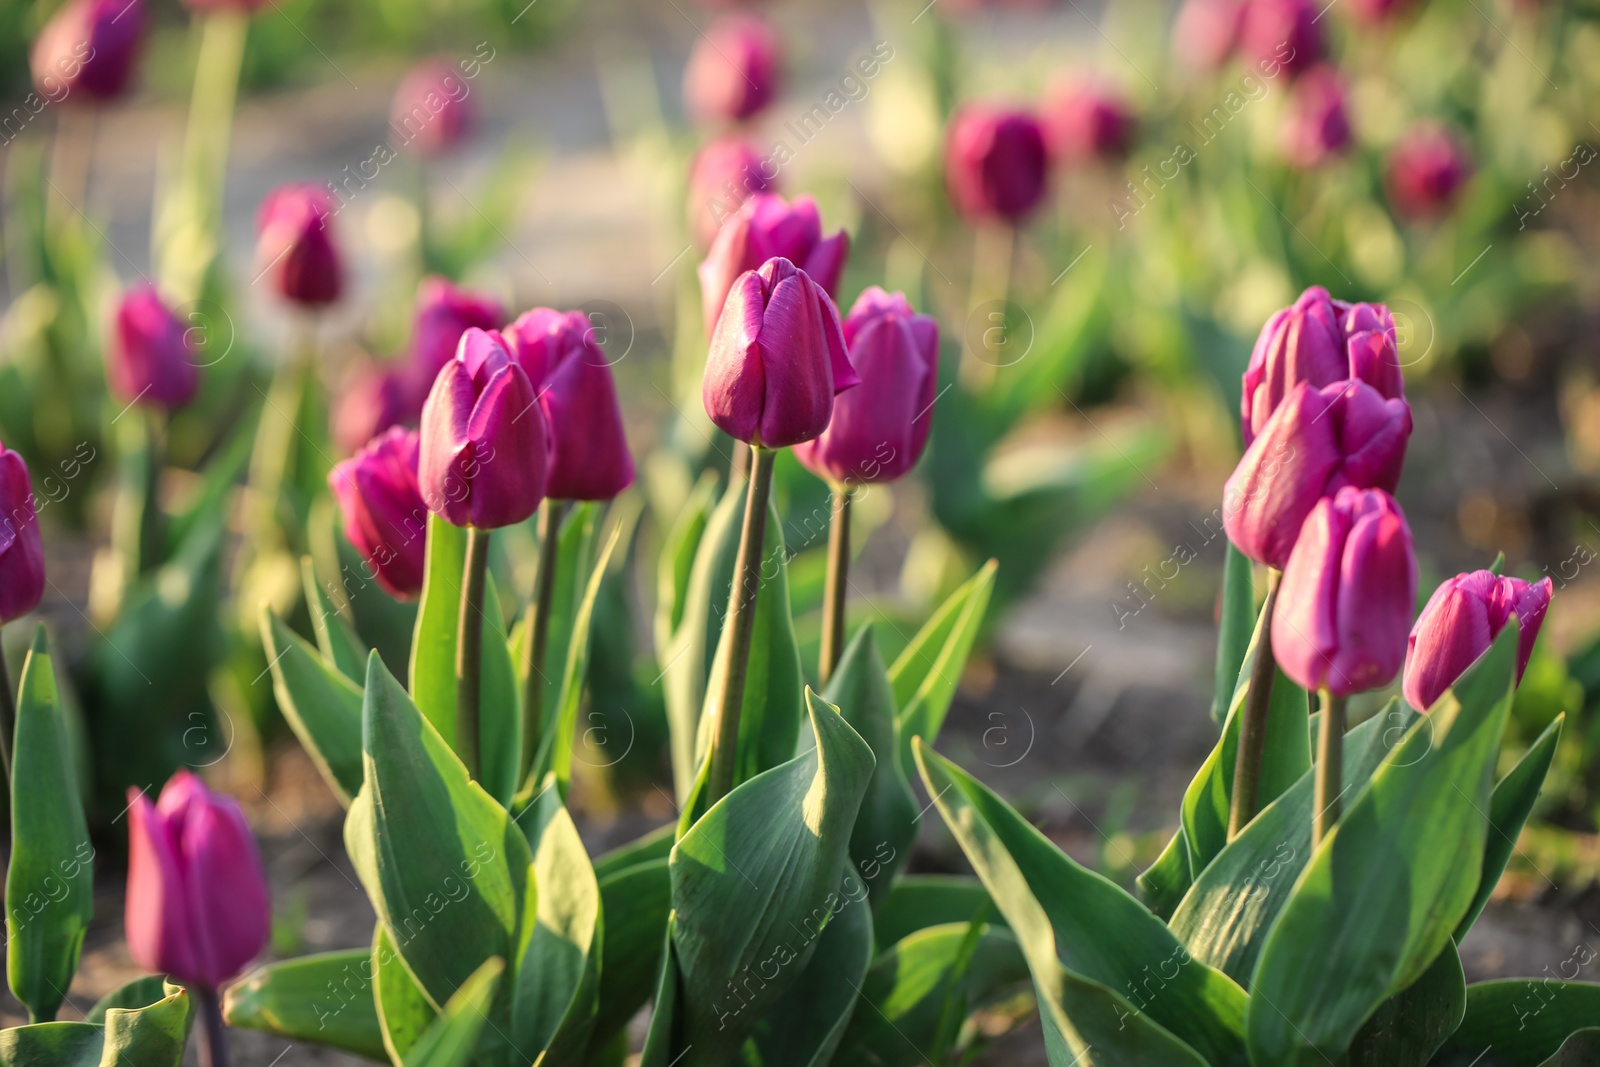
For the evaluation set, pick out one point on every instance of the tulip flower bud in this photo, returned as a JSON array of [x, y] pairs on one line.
[[1425, 171], [87, 50], [1084, 122], [485, 447], [384, 517], [1348, 590], [1206, 32], [733, 72], [375, 397], [1461, 621], [295, 247], [880, 427], [1282, 33], [589, 457], [1316, 127], [726, 172], [21, 550], [149, 359], [432, 111], [444, 313], [197, 906], [766, 228], [777, 358], [1317, 442], [995, 162]]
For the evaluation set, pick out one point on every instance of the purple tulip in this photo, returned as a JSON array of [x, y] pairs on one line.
[[1316, 127], [733, 72], [197, 906], [384, 517], [1085, 122], [765, 228], [21, 550], [995, 162], [1321, 341], [149, 359], [1316, 443], [87, 50], [1374, 12], [1206, 32], [432, 110], [374, 398], [485, 447], [1345, 602], [295, 247], [1425, 171], [1461, 621], [589, 458], [726, 172], [880, 427], [777, 358], [444, 312], [1282, 32]]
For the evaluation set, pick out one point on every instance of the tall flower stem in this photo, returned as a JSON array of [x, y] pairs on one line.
[[993, 248], [741, 620], [214, 1046], [8, 713], [1330, 768], [833, 595], [1253, 726], [469, 647], [538, 630]]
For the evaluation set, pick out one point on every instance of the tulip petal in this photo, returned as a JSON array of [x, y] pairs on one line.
[[734, 386], [795, 331], [445, 443], [1377, 589], [226, 889], [156, 913]]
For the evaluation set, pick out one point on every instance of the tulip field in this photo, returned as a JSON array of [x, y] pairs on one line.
[[760, 533]]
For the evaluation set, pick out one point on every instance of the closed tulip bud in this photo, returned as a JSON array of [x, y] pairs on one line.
[[777, 358], [1316, 443], [384, 517], [1461, 621], [726, 172], [880, 427], [1085, 122], [733, 72], [589, 458], [1318, 340], [295, 246], [87, 50], [432, 110], [197, 906], [767, 227], [445, 312], [995, 162], [485, 447], [21, 550], [149, 359], [1316, 127], [1284, 33], [1425, 171], [1206, 32], [374, 398]]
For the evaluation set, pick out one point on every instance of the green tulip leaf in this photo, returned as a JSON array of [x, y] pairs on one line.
[[918, 901], [339, 644], [139, 993], [321, 705], [324, 999], [1164, 882], [404, 1010], [655, 845], [1528, 1022], [1410, 1026], [678, 552], [150, 1036], [453, 1037], [804, 1028], [924, 676], [1234, 627], [570, 605], [636, 901], [666, 1028]]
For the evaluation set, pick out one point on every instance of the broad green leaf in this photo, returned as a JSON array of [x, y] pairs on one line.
[[805, 1026], [50, 883], [666, 1028], [151, 1036], [1580, 1049], [1091, 948], [453, 1037], [918, 901], [322, 706], [925, 674], [678, 553], [1237, 620], [1524, 1022], [756, 880], [635, 901], [1165, 881], [324, 999], [338, 642], [404, 1010], [1382, 895], [139, 993], [655, 845], [1411, 1025]]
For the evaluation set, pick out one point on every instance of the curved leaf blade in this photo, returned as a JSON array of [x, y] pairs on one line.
[[1524, 1022], [322, 706], [925, 675], [304, 1000]]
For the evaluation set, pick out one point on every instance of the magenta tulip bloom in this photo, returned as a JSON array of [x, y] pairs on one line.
[[485, 450], [197, 906], [1085, 122], [21, 550], [295, 246], [765, 228], [589, 458], [384, 516], [374, 398], [1206, 32], [1345, 603], [1282, 32], [1373, 12], [726, 172], [1316, 127], [445, 312], [995, 162], [777, 358], [1321, 341], [1425, 171], [880, 427], [87, 50], [1461, 621], [733, 72], [1316, 443], [149, 359], [432, 111]]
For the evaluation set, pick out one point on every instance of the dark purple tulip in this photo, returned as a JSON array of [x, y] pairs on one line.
[[21, 550], [727, 171], [1316, 125], [485, 447], [384, 516], [1085, 122], [777, 358], [1461, 621], [1425, 171], [767, 227], [733, 72], [1282, 32], [1206, 32], [149, 358], [444, 312], [995, 162], [87, 50], [880, 427], [1317, 442], [295, 246], [432, 110], [1348, 590], [589, 458]]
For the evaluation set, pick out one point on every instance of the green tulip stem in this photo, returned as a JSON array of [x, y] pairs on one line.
[[538, 628], [993, 249], [469, 647], [272, 461], [833, 595], [8, 713], [214, 1046], [741, 623], [1330, 768], [1253, 724]]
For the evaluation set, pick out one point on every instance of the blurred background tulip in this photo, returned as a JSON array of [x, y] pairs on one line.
[[88, 50], [1459, 623], [1287, 33], [1086, 122], [295, 247], [150, 359], [1206, 32], [1316, 125], [22, 575], [433, 108], [734, 71], [1425, 171], [764, 228], [384, 516], [996, 164], [726, 172]]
